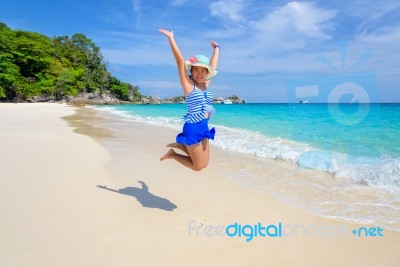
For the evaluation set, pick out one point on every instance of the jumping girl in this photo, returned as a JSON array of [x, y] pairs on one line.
[[194, 138]]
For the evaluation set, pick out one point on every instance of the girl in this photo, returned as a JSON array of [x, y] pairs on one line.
[[194, 138]]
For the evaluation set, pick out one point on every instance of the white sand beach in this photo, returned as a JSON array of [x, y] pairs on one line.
[[76, 193]]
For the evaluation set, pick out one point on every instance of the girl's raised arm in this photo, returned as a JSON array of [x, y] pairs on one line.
[[214, 59], [180, 61]]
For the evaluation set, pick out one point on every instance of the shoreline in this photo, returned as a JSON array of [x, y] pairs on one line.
[[319, 192], [152, 207]]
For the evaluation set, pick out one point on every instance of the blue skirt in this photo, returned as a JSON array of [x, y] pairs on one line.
[[194, 133]]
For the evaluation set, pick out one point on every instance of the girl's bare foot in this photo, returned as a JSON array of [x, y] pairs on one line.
[[170, 154]]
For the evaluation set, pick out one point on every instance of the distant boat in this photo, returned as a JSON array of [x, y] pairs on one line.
[[227, 101], [305, 101]]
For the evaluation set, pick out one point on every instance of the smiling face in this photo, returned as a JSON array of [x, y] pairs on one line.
[[199, 74]]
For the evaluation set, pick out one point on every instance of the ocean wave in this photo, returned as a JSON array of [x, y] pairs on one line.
[[377, 171], [370, 171], [170, 122]]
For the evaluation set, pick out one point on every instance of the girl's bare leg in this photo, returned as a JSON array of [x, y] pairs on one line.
[[197, 159], [178, 146], [206, 151], [184, 160]]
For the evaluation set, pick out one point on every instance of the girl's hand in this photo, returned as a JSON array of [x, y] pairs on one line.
[[214, 44], [169, 34]]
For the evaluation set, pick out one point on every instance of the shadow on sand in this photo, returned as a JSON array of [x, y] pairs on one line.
[[144, 197]]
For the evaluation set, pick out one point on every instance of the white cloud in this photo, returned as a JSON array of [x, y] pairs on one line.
[[367, 11], [275, 42], [298, 17], [385, 24], [385, 51], [136, 10], [278, 44], [228, 10]]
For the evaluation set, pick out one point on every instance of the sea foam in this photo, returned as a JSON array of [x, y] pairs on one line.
[[373, 171]]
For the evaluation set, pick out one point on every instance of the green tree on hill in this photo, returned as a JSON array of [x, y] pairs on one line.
[[33, 64]]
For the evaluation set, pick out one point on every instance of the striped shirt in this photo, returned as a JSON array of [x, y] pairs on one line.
[[198, 103]]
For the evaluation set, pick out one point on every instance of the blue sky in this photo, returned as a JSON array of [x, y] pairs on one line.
[[271, 51]]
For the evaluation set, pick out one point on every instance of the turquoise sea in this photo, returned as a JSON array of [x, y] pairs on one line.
[[358, 144]]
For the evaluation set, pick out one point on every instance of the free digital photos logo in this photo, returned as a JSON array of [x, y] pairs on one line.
[[279, 230], [347, 94]]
